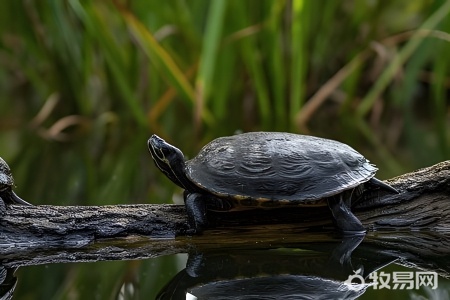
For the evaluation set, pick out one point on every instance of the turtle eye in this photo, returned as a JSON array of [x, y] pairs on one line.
[[164, 154]]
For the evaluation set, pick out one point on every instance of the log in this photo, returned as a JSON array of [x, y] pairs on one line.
[[422, 204]]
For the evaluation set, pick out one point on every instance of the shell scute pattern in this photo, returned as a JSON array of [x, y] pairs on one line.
[[278, 166]]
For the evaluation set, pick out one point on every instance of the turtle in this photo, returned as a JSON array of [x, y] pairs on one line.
[[7, 195], [267, 170]]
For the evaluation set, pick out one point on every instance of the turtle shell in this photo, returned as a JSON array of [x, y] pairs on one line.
[[278, 166], [6, 179]]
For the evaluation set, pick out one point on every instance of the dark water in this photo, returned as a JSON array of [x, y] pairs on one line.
[[315, 266]]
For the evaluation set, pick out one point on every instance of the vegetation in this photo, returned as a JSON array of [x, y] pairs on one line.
[[85, 83]]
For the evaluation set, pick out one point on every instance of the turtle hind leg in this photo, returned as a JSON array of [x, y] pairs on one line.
[[196, 212], [345, 220]]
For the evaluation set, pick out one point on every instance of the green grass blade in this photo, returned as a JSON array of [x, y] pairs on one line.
[[204, 80], [159, 56], [251, 56], [398, 61], [298, 64], [115, 56], [440, 105], [274, 38]]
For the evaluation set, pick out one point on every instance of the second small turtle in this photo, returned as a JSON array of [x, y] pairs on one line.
[[7, 195]]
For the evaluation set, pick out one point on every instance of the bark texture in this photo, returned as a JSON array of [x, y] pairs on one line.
[[86, 233]]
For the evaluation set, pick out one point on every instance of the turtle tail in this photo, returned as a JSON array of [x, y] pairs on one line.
[[382, 185], [373, 190]]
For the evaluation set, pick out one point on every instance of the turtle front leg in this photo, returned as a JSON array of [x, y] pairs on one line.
[[196, 212], [343, 216]]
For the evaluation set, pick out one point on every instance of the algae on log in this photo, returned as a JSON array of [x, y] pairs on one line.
[[422, 204]]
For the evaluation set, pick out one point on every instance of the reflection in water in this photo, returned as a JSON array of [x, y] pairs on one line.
[[244, 266], [286, 273]]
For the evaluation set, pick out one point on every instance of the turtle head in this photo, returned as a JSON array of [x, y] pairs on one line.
[[169, 159]]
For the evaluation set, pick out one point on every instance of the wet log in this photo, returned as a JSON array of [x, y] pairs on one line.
[[423, 203]]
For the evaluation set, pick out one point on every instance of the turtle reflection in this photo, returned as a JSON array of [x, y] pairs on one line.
[[285, 273]]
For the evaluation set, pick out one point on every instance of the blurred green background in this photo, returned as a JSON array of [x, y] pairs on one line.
[[83, 84]]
